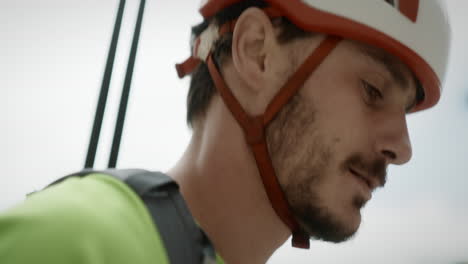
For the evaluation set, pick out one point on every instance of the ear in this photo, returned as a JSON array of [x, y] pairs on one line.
[[254, 43]]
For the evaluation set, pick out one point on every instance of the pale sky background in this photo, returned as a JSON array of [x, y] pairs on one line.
[[52, 56]]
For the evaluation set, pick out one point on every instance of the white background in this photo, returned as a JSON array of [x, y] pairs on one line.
[[52, 55]]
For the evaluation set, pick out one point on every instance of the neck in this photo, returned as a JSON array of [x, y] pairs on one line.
[[219, 180]]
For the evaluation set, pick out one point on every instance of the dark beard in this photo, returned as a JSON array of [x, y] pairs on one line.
[[294, 124], [314, 218]]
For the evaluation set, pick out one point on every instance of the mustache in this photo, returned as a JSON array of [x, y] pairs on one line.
[[376, 167]]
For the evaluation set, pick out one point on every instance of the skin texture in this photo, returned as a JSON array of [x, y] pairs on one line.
[[337, 126]]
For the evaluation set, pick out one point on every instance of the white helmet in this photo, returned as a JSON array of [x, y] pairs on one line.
[[416, 32]]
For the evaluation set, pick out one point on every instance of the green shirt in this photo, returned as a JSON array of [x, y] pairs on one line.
[[96, 219]]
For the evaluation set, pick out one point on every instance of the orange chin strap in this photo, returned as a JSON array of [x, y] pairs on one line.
[[254, 127]]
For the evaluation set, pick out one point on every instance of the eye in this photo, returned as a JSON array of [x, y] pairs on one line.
[[373, 94]]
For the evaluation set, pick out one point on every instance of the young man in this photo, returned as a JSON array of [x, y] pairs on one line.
[[297, 108]]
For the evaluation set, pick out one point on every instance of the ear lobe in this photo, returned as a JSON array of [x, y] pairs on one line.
[[250, 44]]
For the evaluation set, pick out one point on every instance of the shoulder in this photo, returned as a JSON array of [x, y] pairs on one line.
[[92, 219]]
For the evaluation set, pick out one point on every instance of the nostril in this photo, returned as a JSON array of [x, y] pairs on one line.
[[389, 154]]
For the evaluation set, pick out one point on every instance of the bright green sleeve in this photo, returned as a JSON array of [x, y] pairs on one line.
[[96, 219]]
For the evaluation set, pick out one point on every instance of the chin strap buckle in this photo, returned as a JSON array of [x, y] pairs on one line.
[[300, 240]]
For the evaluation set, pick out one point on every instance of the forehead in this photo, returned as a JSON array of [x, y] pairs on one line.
[[399, 72], [401, 75]]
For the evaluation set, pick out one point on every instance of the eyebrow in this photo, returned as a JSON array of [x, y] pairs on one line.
[[393, 66], [389, 62]]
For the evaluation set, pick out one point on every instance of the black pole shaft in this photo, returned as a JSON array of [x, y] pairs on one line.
[[126, 90], [101, 106]]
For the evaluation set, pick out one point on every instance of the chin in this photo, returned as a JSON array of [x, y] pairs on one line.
[[349, 226], [353, 220], [332, 226], [355, 224]]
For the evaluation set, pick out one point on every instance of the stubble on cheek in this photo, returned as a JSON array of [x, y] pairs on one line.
[[288, 137], [302, 161]]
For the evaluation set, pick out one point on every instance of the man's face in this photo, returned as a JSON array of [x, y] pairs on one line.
[[332, 143]]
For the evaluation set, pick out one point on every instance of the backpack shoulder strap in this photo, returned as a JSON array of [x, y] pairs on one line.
[[184, 241]]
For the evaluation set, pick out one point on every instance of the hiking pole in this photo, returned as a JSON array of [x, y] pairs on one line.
[[101, 106], [126, 90]]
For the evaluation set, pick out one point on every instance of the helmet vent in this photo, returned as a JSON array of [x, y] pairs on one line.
[[393, 3]]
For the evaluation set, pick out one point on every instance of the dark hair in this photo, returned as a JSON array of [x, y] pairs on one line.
[[202, 87]]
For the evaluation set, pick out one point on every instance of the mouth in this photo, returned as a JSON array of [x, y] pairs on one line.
[[362, 179]]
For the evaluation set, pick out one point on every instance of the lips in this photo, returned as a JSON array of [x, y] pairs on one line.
[[364, 179]]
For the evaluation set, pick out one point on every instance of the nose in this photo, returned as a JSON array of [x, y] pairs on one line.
[[393, 140]]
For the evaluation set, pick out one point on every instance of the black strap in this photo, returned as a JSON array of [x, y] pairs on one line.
[[185, 242], [101, 105], [102, 101], [126, 90]]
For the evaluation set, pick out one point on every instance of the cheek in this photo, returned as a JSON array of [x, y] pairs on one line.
[[340, 143], [343, 118]]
